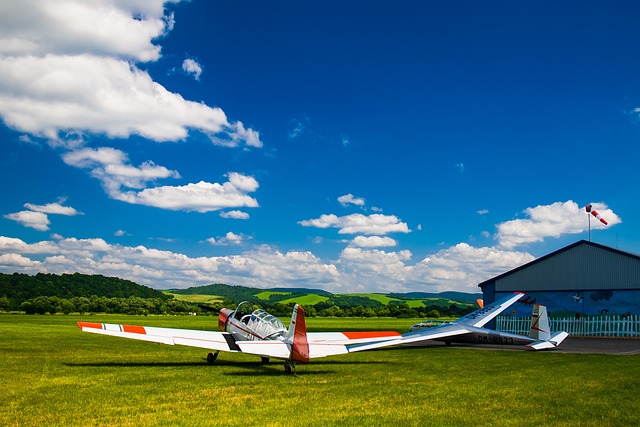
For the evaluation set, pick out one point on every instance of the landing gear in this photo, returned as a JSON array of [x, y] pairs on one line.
[[289, 367], [211, 357], [264, 360]]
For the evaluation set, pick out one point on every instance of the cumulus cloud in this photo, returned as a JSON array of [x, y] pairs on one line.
[[36, 220], [373, 242], [234, 215], [118, 178], [460, 267], [230, 238], [192, 67], [551, 221], [112, 168], [108, 27], [198, 197], [73, 69], [466, 266], [377, 224], [348, 199], [262, 267], [52, 208], [37, 216]]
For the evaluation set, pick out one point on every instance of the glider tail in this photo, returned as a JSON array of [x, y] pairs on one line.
[[540, 323], [297, 335], [541, 331]]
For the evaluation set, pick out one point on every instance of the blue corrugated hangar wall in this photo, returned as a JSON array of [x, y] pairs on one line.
[[584, 278]]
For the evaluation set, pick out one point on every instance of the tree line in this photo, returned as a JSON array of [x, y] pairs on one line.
[[96, 304]]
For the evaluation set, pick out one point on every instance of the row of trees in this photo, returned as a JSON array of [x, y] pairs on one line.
[[145, 306], [389, 310], [96, 304]]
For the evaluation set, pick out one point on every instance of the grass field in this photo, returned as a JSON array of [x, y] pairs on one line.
[[197, 298], [53, 374]]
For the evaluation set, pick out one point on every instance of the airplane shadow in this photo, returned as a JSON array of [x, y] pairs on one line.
[[272, 368]]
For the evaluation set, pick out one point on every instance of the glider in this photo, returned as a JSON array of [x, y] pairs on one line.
[[469, 329], [254, 332]]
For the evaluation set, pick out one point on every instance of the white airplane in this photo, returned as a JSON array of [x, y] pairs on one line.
[[254, 332], [469, 329]]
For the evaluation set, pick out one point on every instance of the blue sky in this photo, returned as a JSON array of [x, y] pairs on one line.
[[349, 146]]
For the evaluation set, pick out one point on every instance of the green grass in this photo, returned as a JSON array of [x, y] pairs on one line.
[[53, 374], [265, 295], [197, 298], [306, 300]]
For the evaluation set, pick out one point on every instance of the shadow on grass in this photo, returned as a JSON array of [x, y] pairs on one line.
[[273, 368]]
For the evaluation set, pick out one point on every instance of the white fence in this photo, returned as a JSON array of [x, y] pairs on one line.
[[594, 326]]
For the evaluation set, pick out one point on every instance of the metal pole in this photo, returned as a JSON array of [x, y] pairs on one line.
[[589, 216]]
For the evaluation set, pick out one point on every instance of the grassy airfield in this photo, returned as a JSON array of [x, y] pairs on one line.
[[53, 374]]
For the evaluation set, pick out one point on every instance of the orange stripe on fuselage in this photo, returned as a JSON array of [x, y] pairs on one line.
[[89, 325], [360, 335], [134, 329]]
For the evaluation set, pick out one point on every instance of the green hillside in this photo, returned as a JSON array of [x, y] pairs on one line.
[[279, 301], [21, 287]]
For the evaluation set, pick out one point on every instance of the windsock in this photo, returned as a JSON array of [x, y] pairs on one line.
[[595, 213]]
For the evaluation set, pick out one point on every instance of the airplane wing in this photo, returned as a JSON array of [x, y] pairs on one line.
[[458, 327], [448, 330], [481, 317], [321, 344], [203, 339]]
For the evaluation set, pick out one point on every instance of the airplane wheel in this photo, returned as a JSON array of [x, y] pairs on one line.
[[211, 357], [288, 367]]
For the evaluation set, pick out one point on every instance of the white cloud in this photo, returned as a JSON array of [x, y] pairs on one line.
[[36, 220], [52, 208], [37, 215], [482, 212], [234, 215], [107, 27], [71, 67], [466, 266], [263, 267], [460, 267], [199, 197], [17, 262], [373, 242], [230, 238], [350, 199], [45, 96], [192, 67], [112, 168], [460, 167], [551, 221], [377, 224]]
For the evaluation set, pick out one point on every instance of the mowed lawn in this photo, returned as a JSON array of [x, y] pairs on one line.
[[53, 374]]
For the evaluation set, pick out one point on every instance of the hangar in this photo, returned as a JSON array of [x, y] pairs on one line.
[[583, 280]]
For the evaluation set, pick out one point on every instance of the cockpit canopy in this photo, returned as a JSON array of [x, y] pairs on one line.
[[265, 324], [262, 323]]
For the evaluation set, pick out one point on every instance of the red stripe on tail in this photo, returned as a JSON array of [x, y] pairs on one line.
[[300, 347]]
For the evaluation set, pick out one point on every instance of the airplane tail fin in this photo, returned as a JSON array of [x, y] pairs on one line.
[[297, 335], [541, 330]]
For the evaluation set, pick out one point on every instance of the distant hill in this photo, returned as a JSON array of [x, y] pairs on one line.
[[236, 294], [452, 295], [21, 287]]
